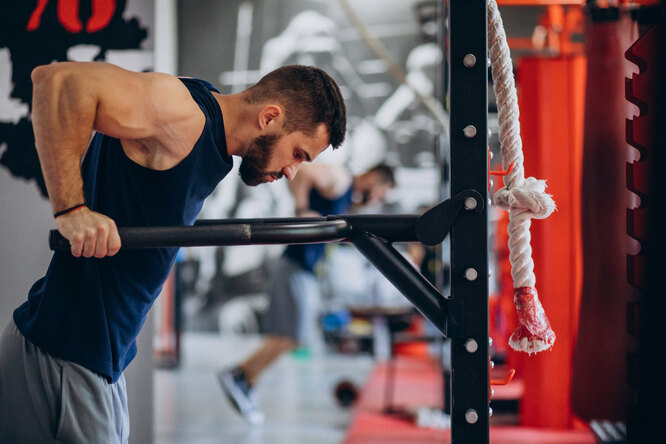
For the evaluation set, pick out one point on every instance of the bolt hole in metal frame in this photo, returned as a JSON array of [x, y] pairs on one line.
[[462, 317]]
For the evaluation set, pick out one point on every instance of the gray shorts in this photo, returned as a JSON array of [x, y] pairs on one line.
[[295, 297], [44, 399]]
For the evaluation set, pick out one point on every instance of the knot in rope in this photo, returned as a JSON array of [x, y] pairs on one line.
[[531, 195]]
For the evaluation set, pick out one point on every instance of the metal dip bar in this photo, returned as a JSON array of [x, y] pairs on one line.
[[395, 228], [236, 232], [371, 234]]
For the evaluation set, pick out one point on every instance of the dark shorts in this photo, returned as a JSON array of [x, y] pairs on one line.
[[44, 399]]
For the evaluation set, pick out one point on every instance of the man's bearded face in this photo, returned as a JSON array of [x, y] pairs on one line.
[[253, 167]]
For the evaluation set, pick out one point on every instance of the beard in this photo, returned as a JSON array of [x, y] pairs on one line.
[[252, 169]]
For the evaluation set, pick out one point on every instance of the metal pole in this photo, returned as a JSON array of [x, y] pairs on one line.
[[468, 308]]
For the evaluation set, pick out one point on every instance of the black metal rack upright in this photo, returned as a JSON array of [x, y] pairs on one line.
[[468, 305]]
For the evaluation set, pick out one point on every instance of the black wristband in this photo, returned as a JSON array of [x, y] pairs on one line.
[[69, 210]]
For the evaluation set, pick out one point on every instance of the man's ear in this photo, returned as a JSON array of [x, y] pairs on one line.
[[270, 115]]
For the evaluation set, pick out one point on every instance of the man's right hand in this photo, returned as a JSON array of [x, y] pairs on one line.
[[89, 233]]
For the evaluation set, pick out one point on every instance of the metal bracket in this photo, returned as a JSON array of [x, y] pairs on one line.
[[436, 223]]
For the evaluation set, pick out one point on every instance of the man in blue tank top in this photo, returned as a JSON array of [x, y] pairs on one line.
[[293, 289], [161, 144]]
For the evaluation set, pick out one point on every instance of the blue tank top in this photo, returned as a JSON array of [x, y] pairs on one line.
[[89, 310], [308, 255]]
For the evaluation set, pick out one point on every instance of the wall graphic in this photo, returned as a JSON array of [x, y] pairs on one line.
[[39, 32]]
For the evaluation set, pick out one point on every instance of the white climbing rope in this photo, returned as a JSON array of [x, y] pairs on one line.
[[523, 198]]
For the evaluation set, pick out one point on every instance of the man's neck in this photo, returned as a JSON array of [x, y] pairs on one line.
[[234, 111]]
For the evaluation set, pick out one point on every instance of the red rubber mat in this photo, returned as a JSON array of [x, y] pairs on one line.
[[418, 383]]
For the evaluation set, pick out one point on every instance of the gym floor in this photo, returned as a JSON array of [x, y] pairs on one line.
[[296, 395]]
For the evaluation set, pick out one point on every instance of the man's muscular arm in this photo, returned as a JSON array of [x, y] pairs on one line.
[[70, 100]]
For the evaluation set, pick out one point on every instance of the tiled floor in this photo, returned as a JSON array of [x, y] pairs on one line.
[[296, 395]]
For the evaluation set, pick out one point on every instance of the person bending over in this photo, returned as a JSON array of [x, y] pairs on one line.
[[160, 146], [294, 293]]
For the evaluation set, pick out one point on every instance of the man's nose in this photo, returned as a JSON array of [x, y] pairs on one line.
[[290, 170]]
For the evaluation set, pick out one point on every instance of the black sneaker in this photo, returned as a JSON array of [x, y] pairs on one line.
[[239, 392]]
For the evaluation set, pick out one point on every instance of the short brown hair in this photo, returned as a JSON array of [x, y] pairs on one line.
[[310, 97]]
